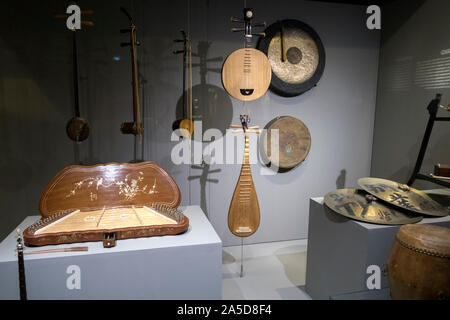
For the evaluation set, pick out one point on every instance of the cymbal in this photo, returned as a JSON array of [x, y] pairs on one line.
[[360, 205], [403, 196]]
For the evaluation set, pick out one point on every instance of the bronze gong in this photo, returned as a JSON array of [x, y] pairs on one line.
[[362, 206], [294, 142], [403, 196], [296, 55]]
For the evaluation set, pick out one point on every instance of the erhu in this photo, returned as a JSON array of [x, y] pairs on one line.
[[186, 125], [77, 128], [244, 214], [136, 128]]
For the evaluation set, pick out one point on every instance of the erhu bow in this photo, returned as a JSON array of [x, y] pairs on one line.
[[136, 128]]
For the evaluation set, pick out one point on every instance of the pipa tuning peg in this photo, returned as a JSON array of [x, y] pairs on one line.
[[262, 34], [237, 29]]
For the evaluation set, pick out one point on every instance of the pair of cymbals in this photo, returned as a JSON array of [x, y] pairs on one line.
[[384, 202]]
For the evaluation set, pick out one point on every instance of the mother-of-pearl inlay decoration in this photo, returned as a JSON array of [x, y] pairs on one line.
[[128, 187]]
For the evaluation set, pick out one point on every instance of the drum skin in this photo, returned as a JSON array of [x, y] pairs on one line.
[[293, 145], [419, 263]]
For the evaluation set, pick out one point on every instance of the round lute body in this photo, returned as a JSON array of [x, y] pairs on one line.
[[246, 74]]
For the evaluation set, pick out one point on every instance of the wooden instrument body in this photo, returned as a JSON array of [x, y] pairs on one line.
[[419, 263], [83, 203], [244, 214], [246, 74], [78, 230]]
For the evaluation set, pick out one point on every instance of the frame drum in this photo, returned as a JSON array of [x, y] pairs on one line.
[[419, 263], [294, 142]]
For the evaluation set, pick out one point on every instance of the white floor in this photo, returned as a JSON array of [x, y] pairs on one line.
[[274, 270]]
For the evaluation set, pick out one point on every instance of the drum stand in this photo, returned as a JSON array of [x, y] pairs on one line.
[[433, 108]]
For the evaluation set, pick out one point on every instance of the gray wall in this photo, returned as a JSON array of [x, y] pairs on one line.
[[36, 102], [414, 32]]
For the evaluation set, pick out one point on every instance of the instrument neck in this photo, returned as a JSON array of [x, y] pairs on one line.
[[246, 151], [75, 74], [134, 74], [248, 42]]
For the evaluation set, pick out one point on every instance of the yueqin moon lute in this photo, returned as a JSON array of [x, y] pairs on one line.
[[244, 215], [246, 73]]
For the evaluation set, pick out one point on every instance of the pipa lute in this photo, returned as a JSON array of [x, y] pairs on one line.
[[244, 215]]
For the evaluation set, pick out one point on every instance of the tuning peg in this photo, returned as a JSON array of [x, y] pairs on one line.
[[262, 34], [237, 29], [125, 44], [87, 23], [259, 24]]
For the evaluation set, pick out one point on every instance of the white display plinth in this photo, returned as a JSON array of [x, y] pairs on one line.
[[341, 249], [186, 266]]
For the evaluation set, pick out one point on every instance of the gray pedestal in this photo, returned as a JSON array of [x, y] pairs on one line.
[[340, 250], [186, 266]]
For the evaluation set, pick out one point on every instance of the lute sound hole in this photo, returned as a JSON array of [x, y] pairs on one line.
[[246, 92]]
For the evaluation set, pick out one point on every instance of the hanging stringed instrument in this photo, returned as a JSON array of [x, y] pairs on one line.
[[77, 128], [244, 215], [136, 128], [246, 73], [186, 124]]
